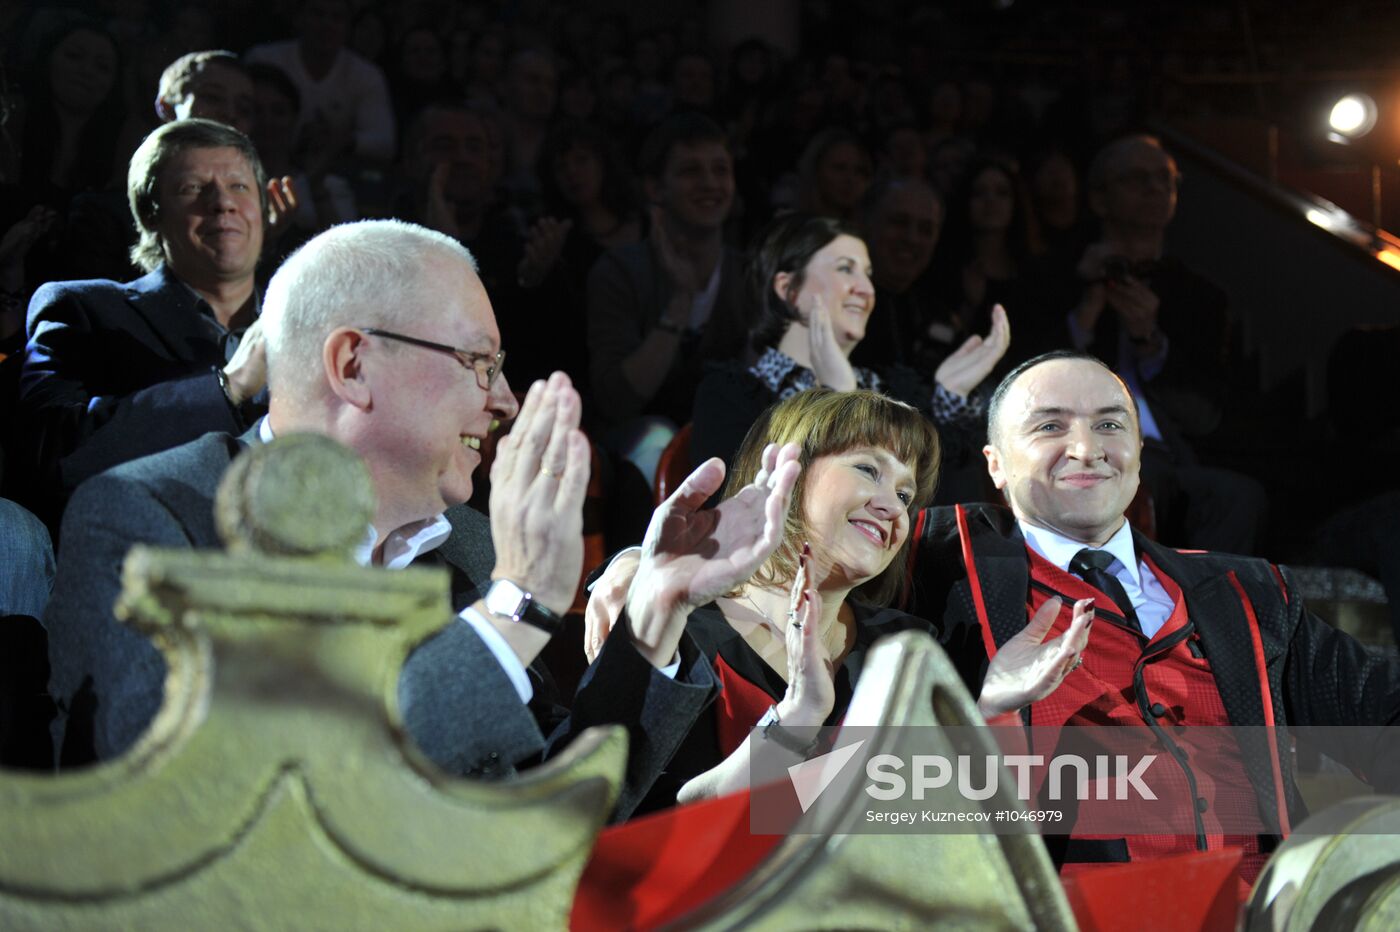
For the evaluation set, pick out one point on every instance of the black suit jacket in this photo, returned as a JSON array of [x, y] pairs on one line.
[[113, 372], [1315, 674], [456, 700]]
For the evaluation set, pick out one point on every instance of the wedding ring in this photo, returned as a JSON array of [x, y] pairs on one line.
[[1077, 661], [544, 471]]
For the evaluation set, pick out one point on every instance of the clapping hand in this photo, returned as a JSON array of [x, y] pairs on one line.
[[811, 683], [965, 369], [281, 204], [17, 240], [1136, 305], [1026, 670], [692, 555], [685, 279], [829, 362], [542, 250], [538, 484], [606, 600]]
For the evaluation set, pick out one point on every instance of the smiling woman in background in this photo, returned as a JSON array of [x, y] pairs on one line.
[[810, 295]]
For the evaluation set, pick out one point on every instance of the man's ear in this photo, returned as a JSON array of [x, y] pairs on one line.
[[994, 466], [342, 359]]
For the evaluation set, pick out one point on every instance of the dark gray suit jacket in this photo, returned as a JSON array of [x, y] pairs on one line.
[[456, 700], [115, 371]]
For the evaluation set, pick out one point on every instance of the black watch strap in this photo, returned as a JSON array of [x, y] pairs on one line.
[[506, 598], [540, 617]]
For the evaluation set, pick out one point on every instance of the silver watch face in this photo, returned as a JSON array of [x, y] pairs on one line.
[[506, 598]]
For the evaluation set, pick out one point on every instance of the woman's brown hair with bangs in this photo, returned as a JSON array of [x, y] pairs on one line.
[[826, 423]]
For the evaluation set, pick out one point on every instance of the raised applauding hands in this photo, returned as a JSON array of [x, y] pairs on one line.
[[692, 555], [811, 683], [1029, 668], [829, 362], [538, 484], [965, 369], [281, 204]]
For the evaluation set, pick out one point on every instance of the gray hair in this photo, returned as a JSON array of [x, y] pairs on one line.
[[155, 152], [368, 273]]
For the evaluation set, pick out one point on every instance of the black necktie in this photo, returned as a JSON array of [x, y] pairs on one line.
[[1092, 566]]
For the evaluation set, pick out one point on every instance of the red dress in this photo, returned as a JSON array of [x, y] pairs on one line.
[[748, 686]]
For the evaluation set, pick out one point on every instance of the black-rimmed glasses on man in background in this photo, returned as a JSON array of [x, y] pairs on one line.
[[487, 366]]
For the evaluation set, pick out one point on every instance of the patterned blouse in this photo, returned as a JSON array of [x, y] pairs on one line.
[[785, 378]]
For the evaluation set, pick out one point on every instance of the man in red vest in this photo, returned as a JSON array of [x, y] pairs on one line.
[[1182, 639]]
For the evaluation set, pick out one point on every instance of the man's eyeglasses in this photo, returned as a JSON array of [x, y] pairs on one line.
[[487, 366]]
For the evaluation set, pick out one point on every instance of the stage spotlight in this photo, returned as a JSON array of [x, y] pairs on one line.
[[1352, 117]]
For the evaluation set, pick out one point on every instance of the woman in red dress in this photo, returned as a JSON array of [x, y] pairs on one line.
[[788, 641]]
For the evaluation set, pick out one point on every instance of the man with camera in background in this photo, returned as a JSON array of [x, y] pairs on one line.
[[1164, 330]]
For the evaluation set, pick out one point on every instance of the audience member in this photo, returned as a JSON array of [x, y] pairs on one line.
[[1181, 639], [313, 198], [658, 307], [693, 83], [810, 293], [900, 220], [833, 174], [115, 371], [902, 153], [1163, 329], [944, 114], [590, 207], [452, 164], [345, 362], [213, 85], [789, 640], [987, 245], [73, 135], [1065, 227], [531, 90], [345, 108], [418, 73]]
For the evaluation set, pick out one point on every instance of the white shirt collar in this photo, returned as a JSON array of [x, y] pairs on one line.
[[402, 546], [1060, 550]]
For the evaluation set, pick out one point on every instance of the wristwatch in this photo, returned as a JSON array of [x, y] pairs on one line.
[[506, 598], [772, 729]]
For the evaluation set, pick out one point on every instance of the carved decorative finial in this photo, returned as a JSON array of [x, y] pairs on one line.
[[300, 495]]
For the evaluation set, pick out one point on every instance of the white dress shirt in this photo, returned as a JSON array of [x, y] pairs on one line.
[[1151, 602], [405, 545], [411, 541]]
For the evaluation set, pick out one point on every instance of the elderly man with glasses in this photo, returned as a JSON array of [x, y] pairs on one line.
[[381, 336]]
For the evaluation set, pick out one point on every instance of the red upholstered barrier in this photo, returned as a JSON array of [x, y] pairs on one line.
[[654, 869], [1199, 892]]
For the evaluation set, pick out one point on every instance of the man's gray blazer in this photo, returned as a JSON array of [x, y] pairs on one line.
[[456, 700]]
